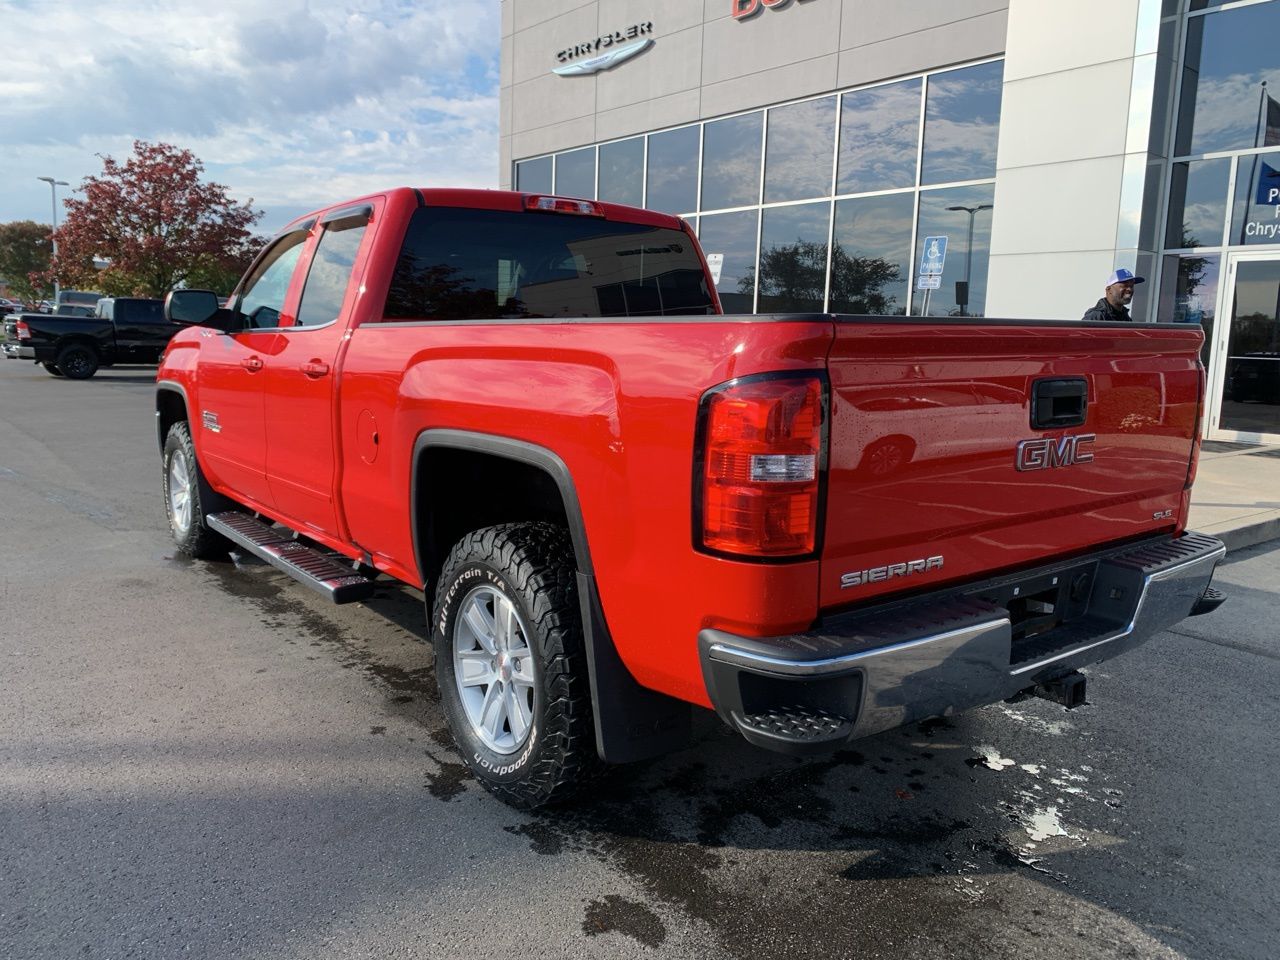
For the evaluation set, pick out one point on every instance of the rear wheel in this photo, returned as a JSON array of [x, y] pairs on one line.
[[52, 368], [511, 664], [188, 497], [78, 361]]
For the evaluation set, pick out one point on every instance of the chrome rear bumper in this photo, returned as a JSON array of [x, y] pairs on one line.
[[876, 669]]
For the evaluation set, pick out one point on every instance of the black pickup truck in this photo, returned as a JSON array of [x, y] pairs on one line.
[[120, 330]]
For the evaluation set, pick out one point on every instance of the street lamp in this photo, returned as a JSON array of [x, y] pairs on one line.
[[53, 190], [968, 251]]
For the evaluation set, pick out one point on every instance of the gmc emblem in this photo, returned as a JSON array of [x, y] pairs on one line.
[[1047, 453]]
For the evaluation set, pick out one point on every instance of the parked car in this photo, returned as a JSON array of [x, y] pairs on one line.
[[117, 330], [622, 505]]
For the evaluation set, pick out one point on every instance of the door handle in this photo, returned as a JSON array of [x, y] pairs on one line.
[[252, 364], [315, 368]]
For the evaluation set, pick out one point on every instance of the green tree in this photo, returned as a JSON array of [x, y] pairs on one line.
[[794, 277], [155, 221], [25, 250]]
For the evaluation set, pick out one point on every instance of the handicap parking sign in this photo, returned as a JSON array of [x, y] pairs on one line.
[[933, 256]]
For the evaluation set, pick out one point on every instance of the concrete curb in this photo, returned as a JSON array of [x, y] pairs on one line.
[[1250, 535]]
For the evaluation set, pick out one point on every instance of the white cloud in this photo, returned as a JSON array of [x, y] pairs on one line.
[[294, 105]]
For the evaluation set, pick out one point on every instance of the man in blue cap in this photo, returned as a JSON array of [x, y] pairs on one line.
[[1115, 304]]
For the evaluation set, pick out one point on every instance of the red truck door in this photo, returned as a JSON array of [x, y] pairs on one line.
[[231, 436], [300, 378]]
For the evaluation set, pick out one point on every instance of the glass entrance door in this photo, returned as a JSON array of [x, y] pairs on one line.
[[1246, 366]]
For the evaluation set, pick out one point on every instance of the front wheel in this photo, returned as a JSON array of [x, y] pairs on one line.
[[188, 497], [78, 361], [511, 664]]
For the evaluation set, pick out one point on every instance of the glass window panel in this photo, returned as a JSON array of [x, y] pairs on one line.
[[458, 263], [1224, 106], [330, 272], [793, 258], [733, 237], [576, 174], [534, 176], [879, 137], [871, 257], [1256, 214], [731, 162], [1197, 203], [1189, 294], [622, 172], [1251, 395], [937, 220], [673, 171], [800, 150], [962, 123]]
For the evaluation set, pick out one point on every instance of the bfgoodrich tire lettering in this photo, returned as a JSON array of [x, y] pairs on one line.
[[188, 497], [527, 570]]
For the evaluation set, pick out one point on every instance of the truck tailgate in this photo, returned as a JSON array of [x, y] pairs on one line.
[[927, 483]]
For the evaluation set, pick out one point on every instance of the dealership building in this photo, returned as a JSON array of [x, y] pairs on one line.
[[993, 158]]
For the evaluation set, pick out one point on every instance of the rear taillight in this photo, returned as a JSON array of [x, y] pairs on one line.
[[1197, 432], [582, 208], [760, 466], [23, 331]]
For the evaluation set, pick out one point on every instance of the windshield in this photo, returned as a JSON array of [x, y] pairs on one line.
[[464, 264]]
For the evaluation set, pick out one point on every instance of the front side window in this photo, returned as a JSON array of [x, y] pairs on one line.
[[264, 291], [330, 272], [465, 264]]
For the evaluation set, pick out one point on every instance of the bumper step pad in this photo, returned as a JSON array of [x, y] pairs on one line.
[[320, 571]]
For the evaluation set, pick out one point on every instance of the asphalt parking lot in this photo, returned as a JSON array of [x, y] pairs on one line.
[[207, 760]]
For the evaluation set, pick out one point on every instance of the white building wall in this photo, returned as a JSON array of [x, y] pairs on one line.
[[1074, 129]]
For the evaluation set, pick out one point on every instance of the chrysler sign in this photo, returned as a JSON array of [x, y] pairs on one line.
[[746, 9], [604, 52]]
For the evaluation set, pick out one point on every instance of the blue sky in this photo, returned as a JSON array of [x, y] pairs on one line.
[[291, 104]]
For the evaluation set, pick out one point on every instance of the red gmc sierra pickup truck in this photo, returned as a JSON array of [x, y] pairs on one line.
[[622, 505]]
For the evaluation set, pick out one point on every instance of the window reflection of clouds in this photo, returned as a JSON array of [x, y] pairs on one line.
[[872, 257], [733, 235], [1197, 203], [962, 122], [798, 153], [673, 171], [731, 162], [879, 134], [1228, 55], [622, 172]]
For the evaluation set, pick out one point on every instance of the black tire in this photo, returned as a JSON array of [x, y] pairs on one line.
[[51, 368], [193, 537], [531, 566], [78, 361]]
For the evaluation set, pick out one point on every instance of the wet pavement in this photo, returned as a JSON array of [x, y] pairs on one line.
[[207, 759]]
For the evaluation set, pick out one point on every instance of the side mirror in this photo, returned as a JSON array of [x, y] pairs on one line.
[[199, 308]]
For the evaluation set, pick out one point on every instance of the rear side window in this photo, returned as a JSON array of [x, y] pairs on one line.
[[463, 264], [141, 311], [330, 272]]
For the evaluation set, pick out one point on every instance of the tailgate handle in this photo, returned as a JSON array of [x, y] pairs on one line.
[[1059, 403]]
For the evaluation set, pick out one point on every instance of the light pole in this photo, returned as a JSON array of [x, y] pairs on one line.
[[53, 190], [968, 251]]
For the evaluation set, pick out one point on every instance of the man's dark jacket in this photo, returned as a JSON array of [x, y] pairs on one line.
[[1103, 310]]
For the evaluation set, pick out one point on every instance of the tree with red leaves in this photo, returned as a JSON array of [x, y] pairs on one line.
[[155, 222]]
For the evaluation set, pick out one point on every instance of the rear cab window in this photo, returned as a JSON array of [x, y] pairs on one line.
[[458, 263]]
